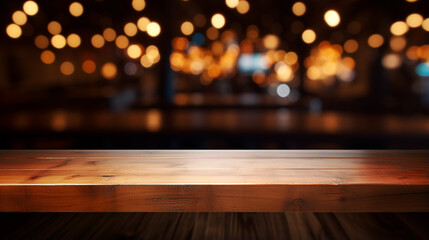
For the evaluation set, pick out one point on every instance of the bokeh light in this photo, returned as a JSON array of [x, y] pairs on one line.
[[19, 18], [134, 51], [375, 40], [414, 20], [308, 36], [232, 3], [109, 34], [187, 28], [73, 40], [153, 29], [130, 29], [397, 43], [138, 5], [425, 25], [391, 61], [88, 66], [47, 57], [351, 46], [97, 41], [299, 8], [399, 28], [142, 23], [54, 27], [67, 68], [58, 41], [122, 42], [76, 9], [41, 42], [243, 7], [283, 90], [30, 8], [109, 70], [332, 18], [13, 30], [218, 20]]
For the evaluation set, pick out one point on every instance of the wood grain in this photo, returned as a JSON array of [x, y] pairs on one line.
[[214, 181]]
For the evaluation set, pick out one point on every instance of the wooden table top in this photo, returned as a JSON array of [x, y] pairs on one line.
[[214, 180]]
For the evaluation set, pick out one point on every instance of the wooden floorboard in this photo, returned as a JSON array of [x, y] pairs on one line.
[[265, 226]]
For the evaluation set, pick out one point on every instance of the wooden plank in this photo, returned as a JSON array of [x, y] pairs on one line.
[[214, 180]]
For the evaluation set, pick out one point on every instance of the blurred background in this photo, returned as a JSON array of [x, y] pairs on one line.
[[231, 74]]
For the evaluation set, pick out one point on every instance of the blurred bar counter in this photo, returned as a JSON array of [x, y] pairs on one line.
[[210, 128]]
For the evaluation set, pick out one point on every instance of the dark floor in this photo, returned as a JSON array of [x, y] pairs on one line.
[[214, 226]]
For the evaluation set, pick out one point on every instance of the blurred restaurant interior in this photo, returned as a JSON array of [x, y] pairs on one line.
[[234, 74]]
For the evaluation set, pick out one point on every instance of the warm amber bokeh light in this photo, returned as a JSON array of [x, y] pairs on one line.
[[67, 68], [88, 66], [58, 41], [375, 40], [73, 40], [153, 29], [332, 18], [142, 23], [30, 8], [19, 18], [231, 3], [41, 42], [134, 51], [76, 9], [399, 28], [308, 36], [218, 20], [271, 41], [414, 20], [122, 42], [47, 57], [13, 30], [243, 7], [187, 28], [299, 8], [109, 70], [212, 33], [54, 28], [130, 29], [97, 41], [398, 43], [138, 5], [109, 34], [351, 46]]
